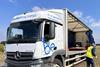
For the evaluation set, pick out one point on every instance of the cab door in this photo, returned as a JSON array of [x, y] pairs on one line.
[[49, 38]]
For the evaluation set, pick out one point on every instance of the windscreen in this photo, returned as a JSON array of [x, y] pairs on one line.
[[24, 32]]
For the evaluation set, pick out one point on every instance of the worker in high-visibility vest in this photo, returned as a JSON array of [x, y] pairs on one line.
[[90, 54]]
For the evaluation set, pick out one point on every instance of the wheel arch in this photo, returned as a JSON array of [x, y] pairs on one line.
[[59, 54]]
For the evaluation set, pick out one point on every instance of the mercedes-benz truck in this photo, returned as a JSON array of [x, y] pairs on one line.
[[54, 38]]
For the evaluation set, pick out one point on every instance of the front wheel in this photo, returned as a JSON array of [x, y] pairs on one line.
[[57, 63]]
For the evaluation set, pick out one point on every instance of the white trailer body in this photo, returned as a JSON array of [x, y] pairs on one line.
[[41, 37]]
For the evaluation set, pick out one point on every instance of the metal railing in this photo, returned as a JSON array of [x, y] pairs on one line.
[[80, 56]]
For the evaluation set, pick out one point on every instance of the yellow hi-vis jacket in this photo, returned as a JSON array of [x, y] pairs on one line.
[[89, 52]]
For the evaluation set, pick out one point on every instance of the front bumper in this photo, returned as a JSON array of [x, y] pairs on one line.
[[31, 62]]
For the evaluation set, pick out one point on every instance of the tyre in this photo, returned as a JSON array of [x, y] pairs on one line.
[[57, 63]]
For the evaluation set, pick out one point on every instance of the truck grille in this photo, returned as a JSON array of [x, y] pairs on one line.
[[24, 56]]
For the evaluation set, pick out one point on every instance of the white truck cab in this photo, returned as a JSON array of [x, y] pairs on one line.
[[41, 37]]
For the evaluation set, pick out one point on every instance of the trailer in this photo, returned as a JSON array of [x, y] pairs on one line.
[[55, 38]]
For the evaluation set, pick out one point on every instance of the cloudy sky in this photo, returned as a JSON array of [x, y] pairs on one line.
[[87, 10]]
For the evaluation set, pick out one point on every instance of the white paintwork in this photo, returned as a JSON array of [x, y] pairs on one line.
[[61, 33], [20, 47], [54, 15], [58, 42]]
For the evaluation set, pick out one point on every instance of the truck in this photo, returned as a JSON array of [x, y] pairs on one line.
[[46, 38]]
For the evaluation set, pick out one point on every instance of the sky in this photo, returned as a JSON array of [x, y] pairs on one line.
[[87, 10]]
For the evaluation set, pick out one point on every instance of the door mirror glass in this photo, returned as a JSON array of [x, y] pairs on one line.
[[49, 31], [52, 30]]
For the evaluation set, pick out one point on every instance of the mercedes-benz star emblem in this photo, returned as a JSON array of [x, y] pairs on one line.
[[17, 55]]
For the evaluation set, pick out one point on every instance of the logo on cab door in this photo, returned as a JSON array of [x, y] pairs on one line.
[[48, 47]]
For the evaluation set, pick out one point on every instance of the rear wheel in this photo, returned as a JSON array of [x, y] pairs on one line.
[[57, 63]]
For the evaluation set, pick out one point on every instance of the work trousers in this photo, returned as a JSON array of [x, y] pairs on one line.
[[90, 62]]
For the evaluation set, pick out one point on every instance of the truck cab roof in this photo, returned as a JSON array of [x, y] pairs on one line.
[[55, 15]]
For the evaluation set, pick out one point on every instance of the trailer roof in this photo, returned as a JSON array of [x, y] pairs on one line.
[[75, 24]]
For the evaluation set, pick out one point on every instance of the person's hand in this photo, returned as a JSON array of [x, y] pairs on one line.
[[96, 57]]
